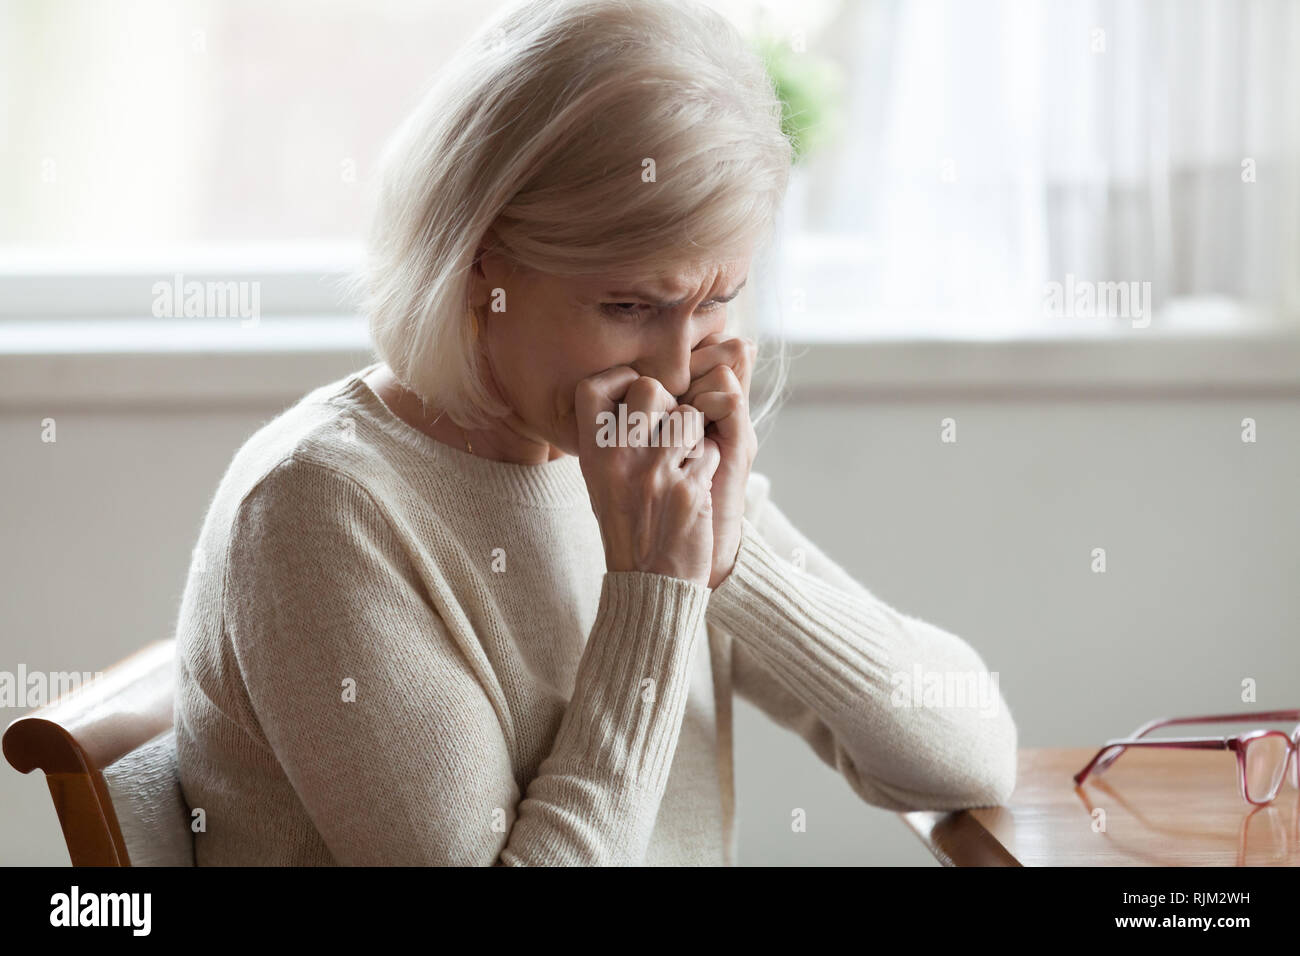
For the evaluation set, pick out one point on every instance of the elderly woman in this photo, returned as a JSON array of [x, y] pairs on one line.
[[445, 615]]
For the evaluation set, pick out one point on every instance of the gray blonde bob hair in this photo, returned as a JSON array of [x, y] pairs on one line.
[[590, 136]]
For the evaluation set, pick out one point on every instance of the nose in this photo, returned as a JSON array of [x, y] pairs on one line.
[[669, 359]]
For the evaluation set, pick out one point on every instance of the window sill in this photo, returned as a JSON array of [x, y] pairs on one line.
[[1053, 363], [175, 361], [219, 362]]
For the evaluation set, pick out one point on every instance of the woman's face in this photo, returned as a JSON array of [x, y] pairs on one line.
[[556, 331]]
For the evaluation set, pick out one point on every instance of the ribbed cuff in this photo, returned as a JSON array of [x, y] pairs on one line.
[[840, 651], [630, 692], [789, 620]]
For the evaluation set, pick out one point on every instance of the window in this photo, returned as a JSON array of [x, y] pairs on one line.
[[982, 166]]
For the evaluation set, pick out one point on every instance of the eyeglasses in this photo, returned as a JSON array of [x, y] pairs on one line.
[[1263, 756]]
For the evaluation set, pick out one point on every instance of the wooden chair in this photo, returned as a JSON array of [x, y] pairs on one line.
[[108, 750]]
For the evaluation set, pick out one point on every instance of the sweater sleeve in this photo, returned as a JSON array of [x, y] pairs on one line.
[[389, 728], [906, 712]]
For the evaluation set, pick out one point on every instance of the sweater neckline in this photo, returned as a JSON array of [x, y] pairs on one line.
[[555, 483]]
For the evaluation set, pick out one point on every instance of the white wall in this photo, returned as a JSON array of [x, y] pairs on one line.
[[990, 538]]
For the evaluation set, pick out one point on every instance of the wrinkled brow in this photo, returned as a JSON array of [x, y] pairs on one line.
[[653, 299]]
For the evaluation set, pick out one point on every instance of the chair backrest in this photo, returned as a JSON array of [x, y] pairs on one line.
[[108, 750]]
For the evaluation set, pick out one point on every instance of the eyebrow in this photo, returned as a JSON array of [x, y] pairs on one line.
[[665, 304]]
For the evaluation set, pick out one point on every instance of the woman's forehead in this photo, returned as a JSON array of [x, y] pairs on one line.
[[674, 283]]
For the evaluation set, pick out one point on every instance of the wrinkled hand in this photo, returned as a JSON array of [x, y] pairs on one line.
[[651, 501], [721, 366]]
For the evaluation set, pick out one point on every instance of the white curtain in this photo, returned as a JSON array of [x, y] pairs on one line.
[[993, 147]]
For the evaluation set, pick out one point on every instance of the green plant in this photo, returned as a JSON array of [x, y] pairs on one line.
[[809, 88]]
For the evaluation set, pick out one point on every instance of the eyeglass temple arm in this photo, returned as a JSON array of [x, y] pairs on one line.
[[1122, 744], [1266, 716]]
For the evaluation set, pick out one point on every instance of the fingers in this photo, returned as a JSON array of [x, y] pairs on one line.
[[720, 348], [684, 433], [702, 467], [649, 396], [723, 409], [597, 400], [600, 393], [719, 396], [721, 379], [664, 427], [636, 411]]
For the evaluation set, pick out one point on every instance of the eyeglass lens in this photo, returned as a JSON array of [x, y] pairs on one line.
[[1266, 761]]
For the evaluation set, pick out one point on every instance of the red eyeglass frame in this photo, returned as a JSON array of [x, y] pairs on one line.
[[1112, 749]]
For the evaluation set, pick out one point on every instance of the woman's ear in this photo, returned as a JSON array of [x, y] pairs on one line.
[[480, 291], [486, 246]]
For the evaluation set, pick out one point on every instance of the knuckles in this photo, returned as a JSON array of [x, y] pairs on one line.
[[644, 391]]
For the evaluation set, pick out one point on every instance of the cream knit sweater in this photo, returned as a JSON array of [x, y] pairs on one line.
[[393, 652]]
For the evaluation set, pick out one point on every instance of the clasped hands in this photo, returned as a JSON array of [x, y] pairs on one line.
[[673, 509]]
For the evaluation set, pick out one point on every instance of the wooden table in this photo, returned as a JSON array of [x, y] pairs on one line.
[[1157, 808]]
